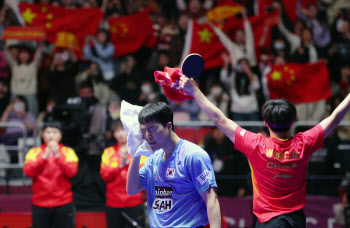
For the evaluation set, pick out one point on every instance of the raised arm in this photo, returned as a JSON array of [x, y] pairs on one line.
[[215, 114], [233, 49], [213, 209], [10, 60], [337, 115], [249, 43], [293, 40], [37, 55], [133, 184]]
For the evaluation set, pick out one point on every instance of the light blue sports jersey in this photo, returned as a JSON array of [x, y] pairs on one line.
[[174, 187]]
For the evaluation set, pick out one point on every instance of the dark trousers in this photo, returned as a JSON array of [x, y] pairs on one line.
[[295, 219], [115, 217], [56, 217]]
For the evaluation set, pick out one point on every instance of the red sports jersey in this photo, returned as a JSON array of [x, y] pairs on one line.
[[115, 177], [278, 169], [51, 176]]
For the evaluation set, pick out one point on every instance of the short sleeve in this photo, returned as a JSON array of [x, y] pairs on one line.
[[313, 139], [144, 172], [246, 141], [201, 171]]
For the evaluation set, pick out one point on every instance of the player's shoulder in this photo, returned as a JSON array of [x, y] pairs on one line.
[[156, 155], [109, 150], [192, 150], [35, 150], [67, 149]]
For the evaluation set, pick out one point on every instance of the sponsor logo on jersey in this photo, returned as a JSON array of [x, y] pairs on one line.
[[163, 201], [164, 192], [242, 132], [204, 177], [282, 175], [162, 204], [170, 172]]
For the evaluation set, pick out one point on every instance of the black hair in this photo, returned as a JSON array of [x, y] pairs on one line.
[[157, 112], [52, 124], [24, 100], [108, 36], [116, 124], [26, 49], [99, 77], [279, 114], [86, 84]]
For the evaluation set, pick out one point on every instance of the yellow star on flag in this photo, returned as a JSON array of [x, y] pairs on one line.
[[113, 29], [49, 16], [48, 25], [276, 76], [28, 16], [44, 9], [124, 28], [205, 36]]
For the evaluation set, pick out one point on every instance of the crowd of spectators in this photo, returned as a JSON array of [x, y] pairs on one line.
[[39, 82]]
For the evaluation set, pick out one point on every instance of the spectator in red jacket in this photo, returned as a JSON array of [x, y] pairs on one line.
[[114, 169], [51, 167]]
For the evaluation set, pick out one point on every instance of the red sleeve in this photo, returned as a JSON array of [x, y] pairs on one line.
[[34, 162], [246, 141], [313, 139], [68, 162]]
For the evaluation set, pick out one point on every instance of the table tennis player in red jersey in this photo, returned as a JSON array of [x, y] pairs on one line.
[[278, 163]]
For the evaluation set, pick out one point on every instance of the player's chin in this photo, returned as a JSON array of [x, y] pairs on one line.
[[153, 145]]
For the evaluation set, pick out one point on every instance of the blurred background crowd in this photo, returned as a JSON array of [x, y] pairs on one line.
[[82, 80]]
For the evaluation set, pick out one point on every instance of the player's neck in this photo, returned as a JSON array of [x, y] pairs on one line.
[[279, 135], [169, 149]]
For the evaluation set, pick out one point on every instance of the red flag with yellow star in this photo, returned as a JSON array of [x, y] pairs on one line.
[[41, 14], [130, 33], [202, 39], [299, 83], [64, 27]]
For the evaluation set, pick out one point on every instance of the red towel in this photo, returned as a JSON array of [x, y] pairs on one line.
[[169, 80]]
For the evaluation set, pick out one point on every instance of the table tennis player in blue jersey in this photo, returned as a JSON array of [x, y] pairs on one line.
[[179, 176]]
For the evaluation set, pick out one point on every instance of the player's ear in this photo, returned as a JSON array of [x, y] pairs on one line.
[[169, 126], [266, 124]]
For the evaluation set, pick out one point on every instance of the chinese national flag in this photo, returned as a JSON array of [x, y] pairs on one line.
[[41, 14], [63, 26], [130, 33], [299, 83], [202, 39], [225, 9]]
